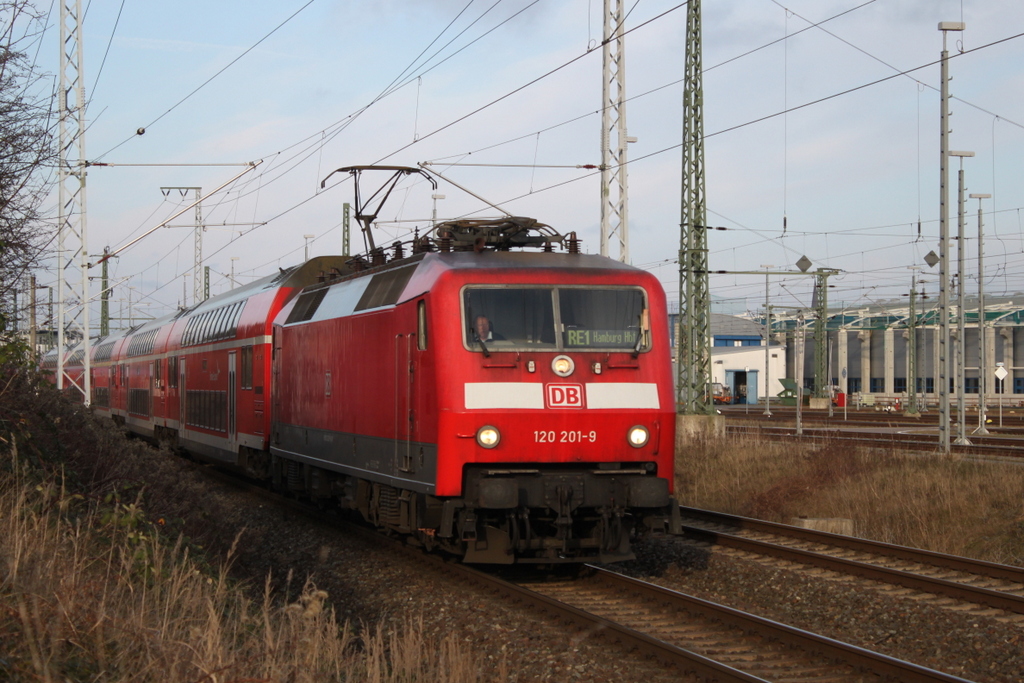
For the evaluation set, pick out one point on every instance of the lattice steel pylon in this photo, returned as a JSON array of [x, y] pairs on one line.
[[72, 243], [694, 340], [821, 373], [614, 178]]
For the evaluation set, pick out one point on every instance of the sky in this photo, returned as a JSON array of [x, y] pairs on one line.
[[821, 141]]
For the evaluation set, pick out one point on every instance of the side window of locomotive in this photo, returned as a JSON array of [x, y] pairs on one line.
[[421, 326], [603, 319], [509, 317]]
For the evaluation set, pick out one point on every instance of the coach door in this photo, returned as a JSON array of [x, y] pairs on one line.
[[232, 396], [182, 393], [149, 393]]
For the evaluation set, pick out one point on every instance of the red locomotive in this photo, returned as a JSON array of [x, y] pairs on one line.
[[500, 404]]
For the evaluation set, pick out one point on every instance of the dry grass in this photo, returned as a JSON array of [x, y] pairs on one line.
[[92, 592], [943, 504]]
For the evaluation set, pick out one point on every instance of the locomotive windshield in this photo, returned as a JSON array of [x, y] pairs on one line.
[[566, 318]]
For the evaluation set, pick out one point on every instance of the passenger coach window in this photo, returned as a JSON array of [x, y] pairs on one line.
[[601, 318]]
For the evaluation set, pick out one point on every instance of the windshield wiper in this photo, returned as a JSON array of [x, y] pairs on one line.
[[487, 354]]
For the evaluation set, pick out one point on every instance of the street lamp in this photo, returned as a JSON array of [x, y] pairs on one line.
[[961, 375], [308, 238], [982, 338]]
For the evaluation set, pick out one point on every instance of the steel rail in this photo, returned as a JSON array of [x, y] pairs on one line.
[[829, 648], [953, 589], [988, 446], [688, 662]]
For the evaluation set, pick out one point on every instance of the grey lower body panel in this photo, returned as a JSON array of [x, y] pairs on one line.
[[407, 465]]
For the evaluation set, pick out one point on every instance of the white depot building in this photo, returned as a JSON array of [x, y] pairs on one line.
[[740, 361], [869, 353]]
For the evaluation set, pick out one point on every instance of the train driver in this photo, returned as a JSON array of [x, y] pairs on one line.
[[482, 330]]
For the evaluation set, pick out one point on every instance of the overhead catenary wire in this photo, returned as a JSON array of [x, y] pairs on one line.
[[209, 80], [280, 214]]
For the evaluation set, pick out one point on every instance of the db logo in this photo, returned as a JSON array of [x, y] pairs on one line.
[[564, 395]]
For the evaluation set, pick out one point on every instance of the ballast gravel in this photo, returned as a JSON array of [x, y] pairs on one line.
[[368, 585]]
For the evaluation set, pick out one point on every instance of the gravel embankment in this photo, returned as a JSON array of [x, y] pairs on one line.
[[979, 645], [367, 584]]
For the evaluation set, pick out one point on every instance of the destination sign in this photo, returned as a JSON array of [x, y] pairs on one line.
[[617, 338]]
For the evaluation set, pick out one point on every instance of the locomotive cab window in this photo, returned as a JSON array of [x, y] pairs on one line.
[[509, 318], [603, 319], [555, 318]]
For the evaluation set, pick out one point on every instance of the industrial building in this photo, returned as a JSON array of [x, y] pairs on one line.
[[869, 352]]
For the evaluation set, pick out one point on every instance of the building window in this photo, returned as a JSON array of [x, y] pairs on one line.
[[877, 385], [970, 385], [899, 384], [853, 384], [1018, 385], [925, 385]]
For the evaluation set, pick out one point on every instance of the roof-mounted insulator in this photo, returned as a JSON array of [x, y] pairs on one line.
[[574, 243], [399, 252]]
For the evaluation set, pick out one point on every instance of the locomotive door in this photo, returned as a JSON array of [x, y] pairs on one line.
[[232, 397], [403, 402]]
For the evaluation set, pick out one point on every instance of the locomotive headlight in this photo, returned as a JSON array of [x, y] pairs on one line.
[[488, 436], [638, 436], [562, 366]]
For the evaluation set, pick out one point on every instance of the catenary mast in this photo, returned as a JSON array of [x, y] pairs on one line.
[[694, 342], [72, 243], [614, 182]]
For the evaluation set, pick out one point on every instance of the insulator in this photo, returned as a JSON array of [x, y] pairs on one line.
[[574, 243]]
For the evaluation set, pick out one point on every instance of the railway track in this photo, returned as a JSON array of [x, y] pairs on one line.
[[710, 640], [972, 584], [1007, 447], [699, 638]]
